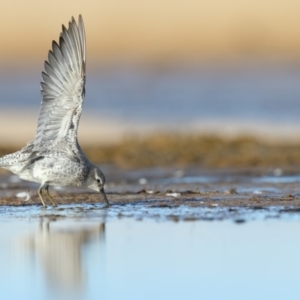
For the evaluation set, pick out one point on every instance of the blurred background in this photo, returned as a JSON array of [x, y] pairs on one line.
[[228, 69]]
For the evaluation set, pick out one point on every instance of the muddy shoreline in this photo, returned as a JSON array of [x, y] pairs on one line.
[[167, 193], [167, 199]]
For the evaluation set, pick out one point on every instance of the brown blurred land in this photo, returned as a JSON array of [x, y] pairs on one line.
[[194, 150], [158, 32], [165, 150]]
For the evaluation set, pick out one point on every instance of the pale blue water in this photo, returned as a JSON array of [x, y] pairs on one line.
[[268, 93], [127, 259]]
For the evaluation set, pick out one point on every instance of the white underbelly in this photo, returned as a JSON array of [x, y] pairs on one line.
[[60, 172]]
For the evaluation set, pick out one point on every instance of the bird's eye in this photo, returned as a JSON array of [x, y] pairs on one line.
[[98, 180]]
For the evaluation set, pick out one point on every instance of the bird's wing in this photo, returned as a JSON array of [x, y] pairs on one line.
[[63, 89]]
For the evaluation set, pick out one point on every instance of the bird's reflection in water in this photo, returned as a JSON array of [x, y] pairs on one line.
[[58, 248]]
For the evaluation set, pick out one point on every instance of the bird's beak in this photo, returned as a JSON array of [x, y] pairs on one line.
[[104, 195]]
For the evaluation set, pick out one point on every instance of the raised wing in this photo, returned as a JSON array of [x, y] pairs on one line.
[[63, 89]]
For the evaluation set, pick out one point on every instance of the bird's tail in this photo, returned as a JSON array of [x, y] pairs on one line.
[[12, 159], [8, 160]]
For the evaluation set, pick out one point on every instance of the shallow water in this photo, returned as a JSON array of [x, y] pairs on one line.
[[169, 234], [128, 259]]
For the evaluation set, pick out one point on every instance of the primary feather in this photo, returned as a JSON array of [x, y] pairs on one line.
[[63, 89]]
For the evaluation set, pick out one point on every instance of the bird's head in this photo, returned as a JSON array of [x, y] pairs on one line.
[[96, 181]]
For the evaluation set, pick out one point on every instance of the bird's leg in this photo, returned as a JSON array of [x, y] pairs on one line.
[[48, 195], [40, 191]]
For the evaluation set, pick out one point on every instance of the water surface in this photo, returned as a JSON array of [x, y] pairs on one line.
[[127, 259]]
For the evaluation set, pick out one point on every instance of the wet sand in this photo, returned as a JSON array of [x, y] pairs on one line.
[[189, 206], [168, 193]]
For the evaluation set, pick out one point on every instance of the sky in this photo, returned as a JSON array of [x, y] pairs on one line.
[[153, 32]]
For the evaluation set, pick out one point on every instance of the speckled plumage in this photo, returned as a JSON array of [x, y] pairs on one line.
[[54, 157]]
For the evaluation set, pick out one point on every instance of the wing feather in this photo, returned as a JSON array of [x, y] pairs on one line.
[[62, 88], [54, 76]]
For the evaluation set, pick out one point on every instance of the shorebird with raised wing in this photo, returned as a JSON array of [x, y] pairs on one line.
[[54, 157]]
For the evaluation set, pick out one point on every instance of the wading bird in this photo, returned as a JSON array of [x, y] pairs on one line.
[[54, 157]]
